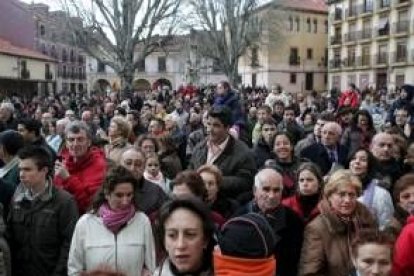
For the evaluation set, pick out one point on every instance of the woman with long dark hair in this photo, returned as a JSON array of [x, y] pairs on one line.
[[374, 197]]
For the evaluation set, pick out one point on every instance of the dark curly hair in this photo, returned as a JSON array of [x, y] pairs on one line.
[[115, 176]]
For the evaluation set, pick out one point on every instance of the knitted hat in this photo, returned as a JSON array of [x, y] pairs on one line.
[[247, 236]]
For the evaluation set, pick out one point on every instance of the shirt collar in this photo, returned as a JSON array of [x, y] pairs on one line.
[[23, 193]]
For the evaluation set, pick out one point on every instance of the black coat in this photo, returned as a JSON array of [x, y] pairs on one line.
[[262, 152], [40, 232], [288, 228], [236, 163], [150, 196], [317, 154]]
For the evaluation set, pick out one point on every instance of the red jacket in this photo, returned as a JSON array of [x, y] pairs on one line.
[[86, 176], [293, 203], [404, 251], [351, 96]]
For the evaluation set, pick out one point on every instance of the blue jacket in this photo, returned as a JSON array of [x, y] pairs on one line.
[[231, 100]]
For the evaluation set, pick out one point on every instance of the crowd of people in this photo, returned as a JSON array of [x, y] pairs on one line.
[[257, 182]]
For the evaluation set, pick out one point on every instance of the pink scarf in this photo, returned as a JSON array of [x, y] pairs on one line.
[[114, 220]]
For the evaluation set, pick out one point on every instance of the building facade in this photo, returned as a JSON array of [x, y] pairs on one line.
[[371, 43], [171, 65], [54, 39], [24, 72], [297, 58]]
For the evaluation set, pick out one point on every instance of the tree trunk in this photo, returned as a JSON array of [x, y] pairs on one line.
[[233, 75], [127, 78]]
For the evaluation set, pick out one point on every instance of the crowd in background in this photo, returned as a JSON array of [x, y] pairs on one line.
[[208, 181]]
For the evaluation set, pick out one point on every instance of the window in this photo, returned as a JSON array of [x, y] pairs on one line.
[[309, 81], [42, 30], [336, 82], [64, 55], [162, 64], [401, 54], [351, 56], [255, 57], [325, 79], [297, 24], [294, 57], [141, 65], [47, 72], [383, 26], [365, 59], [290, 23], [44, 49], [308, 24], [382, 54], [403, 22], [384, 3], [309, 53], [23, 65], [101, 67], [24, 73], [315, 26], [254, 80], [326, 26], [64, 71], [293, 78], [363, 80], [368, 5]]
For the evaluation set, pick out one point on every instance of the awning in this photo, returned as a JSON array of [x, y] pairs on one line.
[[383, 22]]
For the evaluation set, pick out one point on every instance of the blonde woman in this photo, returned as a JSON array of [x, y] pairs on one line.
[[118, 133], [326, 247]]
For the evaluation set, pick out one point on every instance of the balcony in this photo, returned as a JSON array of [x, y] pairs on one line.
[[401, 3], [365, 9], [400, 56], [364, 60], [350, 37], [294, 60], [382, 59], [335, 63], [365, 33], [352, 11], [349, 62], [336, 39], [383, 4], [402, 26], [383, 32]]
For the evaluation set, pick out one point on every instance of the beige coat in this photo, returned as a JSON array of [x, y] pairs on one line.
[[326, 245], [115, 150]]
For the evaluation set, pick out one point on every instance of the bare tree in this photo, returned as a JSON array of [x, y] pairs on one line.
[[225, 29], [121, 33]]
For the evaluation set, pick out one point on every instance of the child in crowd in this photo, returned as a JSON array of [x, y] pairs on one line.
[[153, 172]]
